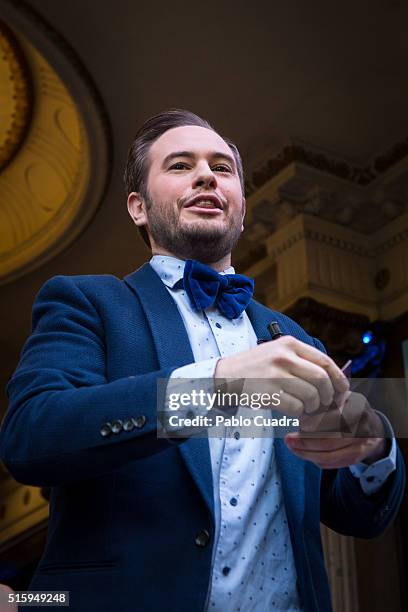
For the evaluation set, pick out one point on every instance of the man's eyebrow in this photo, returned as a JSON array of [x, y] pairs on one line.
[[190, 155]]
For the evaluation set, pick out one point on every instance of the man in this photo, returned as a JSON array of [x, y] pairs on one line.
[[144, 523]]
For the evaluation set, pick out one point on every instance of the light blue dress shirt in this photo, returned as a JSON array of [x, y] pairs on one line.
[[253, 565]]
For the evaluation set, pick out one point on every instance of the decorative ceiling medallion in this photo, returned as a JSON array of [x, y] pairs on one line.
[[52, 186], [15, 95]]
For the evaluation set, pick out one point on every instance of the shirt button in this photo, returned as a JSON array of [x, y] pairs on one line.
[[369, 478], [237, 435], [226, 570], [233, 501], [218, 325]]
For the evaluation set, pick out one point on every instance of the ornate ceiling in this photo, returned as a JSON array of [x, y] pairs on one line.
[[46, 173], [16, 95]]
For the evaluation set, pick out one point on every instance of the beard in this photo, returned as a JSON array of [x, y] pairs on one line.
[[199, 239]]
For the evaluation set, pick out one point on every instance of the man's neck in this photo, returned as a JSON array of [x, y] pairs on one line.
[[218, 266]]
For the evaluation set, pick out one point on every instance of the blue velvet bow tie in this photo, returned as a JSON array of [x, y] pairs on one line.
[[231, 293]]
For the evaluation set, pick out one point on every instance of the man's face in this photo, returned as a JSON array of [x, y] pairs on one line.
[[194, 206]]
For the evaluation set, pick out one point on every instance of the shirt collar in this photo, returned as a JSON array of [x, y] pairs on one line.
[[170, 269]]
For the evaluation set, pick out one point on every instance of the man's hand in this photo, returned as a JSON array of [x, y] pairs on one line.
[[353, 432], [304, 377]]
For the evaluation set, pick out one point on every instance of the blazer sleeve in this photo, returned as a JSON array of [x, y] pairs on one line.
[[59, 397], [345, 508]]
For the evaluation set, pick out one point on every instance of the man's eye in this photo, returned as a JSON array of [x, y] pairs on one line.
[[223, 168], [180, 165], [217, 168]]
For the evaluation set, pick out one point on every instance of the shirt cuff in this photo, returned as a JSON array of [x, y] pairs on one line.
[[373, 476], [186, 391]]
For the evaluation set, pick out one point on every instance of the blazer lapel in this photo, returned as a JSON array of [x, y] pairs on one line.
[[173, 349], [166, 325], [291, 468]]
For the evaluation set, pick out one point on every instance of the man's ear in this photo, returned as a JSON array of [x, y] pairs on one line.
[[136, 208]]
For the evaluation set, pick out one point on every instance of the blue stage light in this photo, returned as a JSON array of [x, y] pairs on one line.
[[367, 337]]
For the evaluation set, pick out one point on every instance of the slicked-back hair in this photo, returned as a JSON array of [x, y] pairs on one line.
[[137, 165]]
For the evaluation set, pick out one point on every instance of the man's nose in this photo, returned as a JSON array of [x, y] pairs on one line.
[[205, 177]]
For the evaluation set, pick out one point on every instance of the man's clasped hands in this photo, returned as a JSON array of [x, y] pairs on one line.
[[338, 427]]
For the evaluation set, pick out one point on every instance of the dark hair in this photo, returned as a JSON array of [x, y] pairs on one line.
[[137, 167]]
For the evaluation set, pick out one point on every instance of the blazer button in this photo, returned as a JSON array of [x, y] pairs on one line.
[[106, 430], [117, 426], [202, 538], [128, 425], [139, 421]]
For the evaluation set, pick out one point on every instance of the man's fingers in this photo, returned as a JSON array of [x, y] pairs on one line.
[[325, 421], [290, 405], [348, 453], [330, 443], [310, 364], [318, 378], [338, 378], [304, 391], [361, 420]]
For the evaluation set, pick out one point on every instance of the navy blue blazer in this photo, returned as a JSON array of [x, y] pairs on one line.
[[126, 509]]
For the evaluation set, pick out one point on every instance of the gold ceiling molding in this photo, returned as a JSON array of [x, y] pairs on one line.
[[15, 95], [52, 187]]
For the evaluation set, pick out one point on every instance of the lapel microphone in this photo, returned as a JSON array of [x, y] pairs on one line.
[[274, 330]]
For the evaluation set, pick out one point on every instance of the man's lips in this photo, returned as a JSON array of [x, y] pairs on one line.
[[208, 203], [196, 208]]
